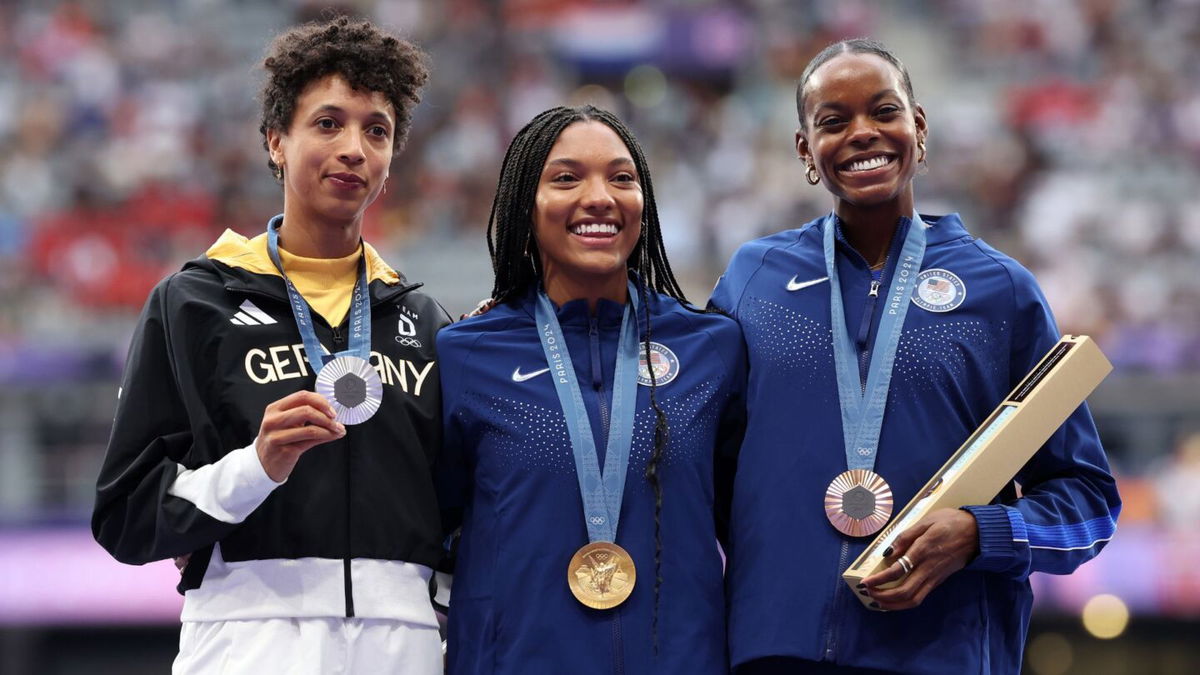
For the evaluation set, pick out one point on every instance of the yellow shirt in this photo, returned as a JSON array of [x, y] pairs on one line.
[[326, 283]]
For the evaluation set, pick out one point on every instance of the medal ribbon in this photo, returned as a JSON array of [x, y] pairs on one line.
[[602, 492], [863, 406], [359, 342]]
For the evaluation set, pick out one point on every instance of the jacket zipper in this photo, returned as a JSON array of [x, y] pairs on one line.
[[618, 646], [865, 329], [347, 583], [831, 635], [598, 377], [866, 326], [602, 398]]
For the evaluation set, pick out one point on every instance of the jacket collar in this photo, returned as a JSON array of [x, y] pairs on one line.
[[942, 229], [244, 265]]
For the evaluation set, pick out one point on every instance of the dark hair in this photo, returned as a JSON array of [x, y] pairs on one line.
[[510, 225], [370, 60], [514, 254], [851, 46]]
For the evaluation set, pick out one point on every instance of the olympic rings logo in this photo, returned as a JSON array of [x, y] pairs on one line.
[[597, 520], [408, 341]]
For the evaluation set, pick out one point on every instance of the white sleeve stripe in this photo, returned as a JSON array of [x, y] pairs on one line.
[[1073, 548], [228, 490]]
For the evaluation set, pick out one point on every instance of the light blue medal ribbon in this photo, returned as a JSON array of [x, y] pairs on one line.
[[351, 403], [862, 407], [602, 492]]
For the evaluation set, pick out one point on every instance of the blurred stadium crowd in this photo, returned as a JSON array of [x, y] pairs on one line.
[[1066, 132]]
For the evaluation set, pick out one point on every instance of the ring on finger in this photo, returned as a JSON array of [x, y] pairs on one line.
[[906, 564]]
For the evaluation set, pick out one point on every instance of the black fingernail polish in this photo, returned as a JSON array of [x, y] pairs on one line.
[[887, 552], [864, 593], [874, 605], [860, 586]]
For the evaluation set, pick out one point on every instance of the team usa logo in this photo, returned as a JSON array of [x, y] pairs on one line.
[[939, 290], [664, 362]]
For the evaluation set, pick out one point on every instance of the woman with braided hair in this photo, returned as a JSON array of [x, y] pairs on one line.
[[582, 417]]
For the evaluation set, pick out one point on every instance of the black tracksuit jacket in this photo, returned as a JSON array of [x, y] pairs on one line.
[[200, 373]]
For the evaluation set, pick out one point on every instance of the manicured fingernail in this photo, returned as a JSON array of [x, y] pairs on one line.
[[861, 586], [874, 605], [887, 552], [864, 593]]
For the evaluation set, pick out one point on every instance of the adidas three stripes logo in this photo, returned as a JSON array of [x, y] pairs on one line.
[[250, 315]]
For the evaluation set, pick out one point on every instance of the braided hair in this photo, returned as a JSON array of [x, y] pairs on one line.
[[515, 258]]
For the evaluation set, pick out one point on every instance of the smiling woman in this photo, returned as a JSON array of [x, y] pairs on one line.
[[588, 214], [584, 419], [863, 134], [904, 332]]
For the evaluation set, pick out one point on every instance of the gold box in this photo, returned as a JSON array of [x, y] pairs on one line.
[[997, 450]]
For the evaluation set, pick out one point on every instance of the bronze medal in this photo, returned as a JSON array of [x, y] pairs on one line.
[[601, 575], [858, 502]]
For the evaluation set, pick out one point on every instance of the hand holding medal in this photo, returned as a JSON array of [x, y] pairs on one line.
[[290, 427]]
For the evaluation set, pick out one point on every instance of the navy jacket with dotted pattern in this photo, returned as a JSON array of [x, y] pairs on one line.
[[952, 369], [508, 469]]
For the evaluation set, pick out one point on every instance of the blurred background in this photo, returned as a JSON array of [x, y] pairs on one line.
[[1067, 133]]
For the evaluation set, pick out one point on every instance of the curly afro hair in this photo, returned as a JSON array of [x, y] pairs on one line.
[[369, 59]]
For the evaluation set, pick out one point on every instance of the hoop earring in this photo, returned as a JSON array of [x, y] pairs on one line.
[[811, 175]]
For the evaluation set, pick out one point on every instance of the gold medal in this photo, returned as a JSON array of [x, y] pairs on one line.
[[601, 575], [858, 502]]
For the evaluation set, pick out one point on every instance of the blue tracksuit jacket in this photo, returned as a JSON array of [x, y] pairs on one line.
[[508, 465], [954, 364]]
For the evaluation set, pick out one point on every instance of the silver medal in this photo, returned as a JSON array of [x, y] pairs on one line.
[[353, 387]]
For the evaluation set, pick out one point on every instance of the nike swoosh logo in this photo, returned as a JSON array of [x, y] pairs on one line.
[[793, 286], [518, 376]]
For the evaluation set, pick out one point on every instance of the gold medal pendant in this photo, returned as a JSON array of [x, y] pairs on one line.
[[858, 502], [601, 575]]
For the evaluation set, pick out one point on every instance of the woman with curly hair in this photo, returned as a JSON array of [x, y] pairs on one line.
[[582, 418], [305, 520]]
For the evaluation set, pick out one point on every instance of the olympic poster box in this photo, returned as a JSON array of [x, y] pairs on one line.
[[997, 450]]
